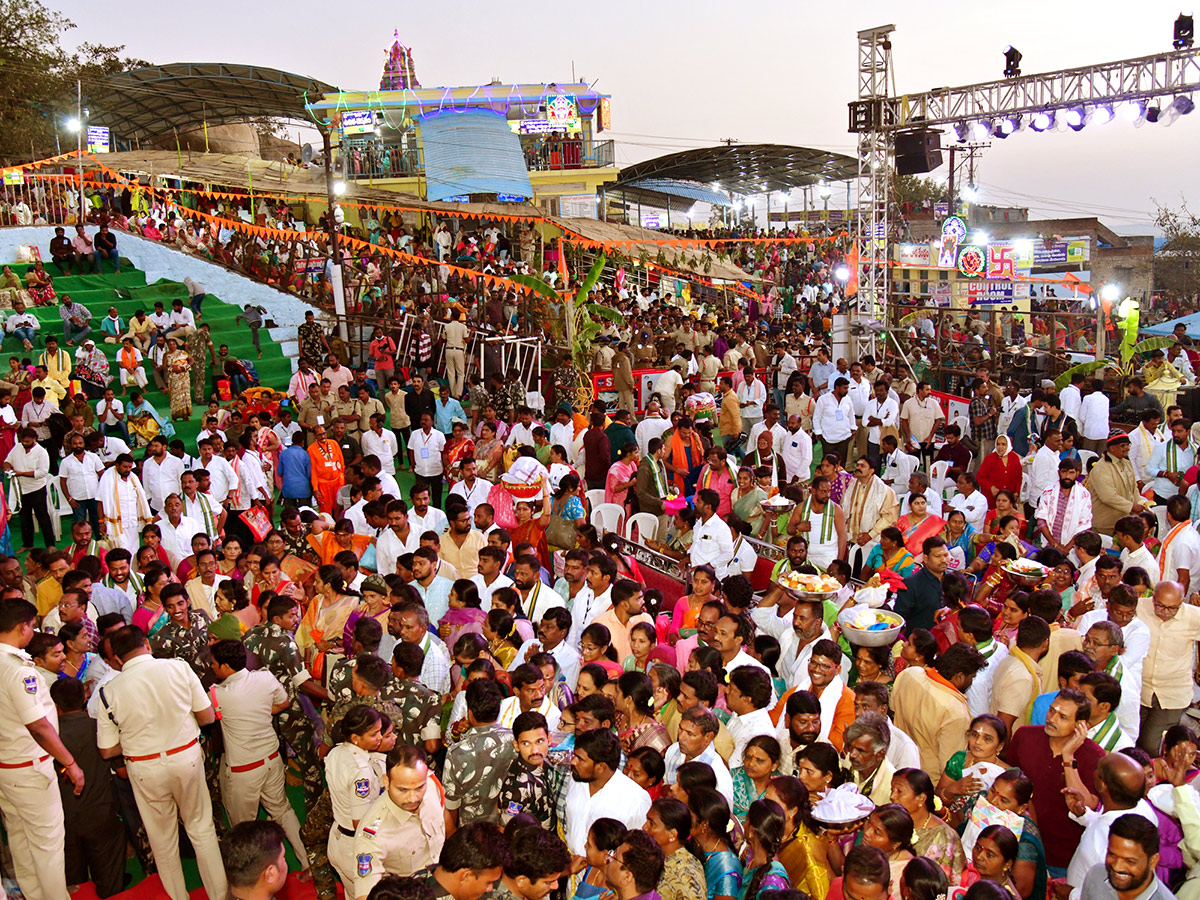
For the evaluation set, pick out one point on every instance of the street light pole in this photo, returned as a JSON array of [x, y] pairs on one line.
[[335, 252], [79, 143]]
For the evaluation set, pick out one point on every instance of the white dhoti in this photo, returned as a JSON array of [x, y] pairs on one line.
[[137, 376], [124, 509]]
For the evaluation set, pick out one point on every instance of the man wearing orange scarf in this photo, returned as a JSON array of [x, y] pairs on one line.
[[328, 469], [687, 453], [129, 359]]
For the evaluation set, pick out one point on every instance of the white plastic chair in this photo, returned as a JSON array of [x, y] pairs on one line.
[[964, 423], [937, 476], [59, 507], [1163, 525], [595, 497], [646, 525], [1106, 541], [1086, 456], [607, 517]]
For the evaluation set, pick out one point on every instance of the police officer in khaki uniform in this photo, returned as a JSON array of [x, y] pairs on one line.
[[29, 796], [151, 712], [252, 771], [456, 335], [403, 831]]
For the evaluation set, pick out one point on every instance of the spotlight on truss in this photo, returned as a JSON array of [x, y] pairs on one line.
[[1012, 61]]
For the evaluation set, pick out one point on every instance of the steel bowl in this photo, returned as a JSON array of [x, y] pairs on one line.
[[883, 637]]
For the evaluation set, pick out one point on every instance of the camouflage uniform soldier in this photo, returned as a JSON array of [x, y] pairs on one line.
[[200, 349], [421, 706], [277, 652], [527, 788], [477, 765], [369, 675], [185, 636]]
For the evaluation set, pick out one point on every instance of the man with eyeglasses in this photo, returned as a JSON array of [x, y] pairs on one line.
[[1104, 644], [1169, 672], [1121, 610]]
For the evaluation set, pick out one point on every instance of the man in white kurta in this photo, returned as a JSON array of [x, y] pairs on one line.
[[123, 504]]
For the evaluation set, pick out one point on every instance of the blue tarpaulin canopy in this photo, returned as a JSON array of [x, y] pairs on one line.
[[472, 152], [1166, 328]]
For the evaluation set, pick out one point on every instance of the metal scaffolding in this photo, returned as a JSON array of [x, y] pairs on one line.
[[875, 157]]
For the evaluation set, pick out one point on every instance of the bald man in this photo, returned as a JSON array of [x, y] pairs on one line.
[[1169, 672], [1120, 783]]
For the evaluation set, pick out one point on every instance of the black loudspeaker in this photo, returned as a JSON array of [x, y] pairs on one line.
[[918, 151]]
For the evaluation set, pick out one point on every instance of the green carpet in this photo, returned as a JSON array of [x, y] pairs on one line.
[[129, 292]]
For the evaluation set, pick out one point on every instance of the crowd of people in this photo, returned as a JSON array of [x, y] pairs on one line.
[[475, 691]]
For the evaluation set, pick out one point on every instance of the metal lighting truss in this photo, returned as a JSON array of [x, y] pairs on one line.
[[875, 154], [1160, 75], [876, 117]]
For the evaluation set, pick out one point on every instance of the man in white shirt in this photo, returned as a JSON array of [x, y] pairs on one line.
[[177, 530], [782, 367], [833, 419], [1094, 425], [797, 451], [770, 422], [652, 425], [971, 501], [1044, 472], [521, 434], [1071, 398], [752, 397], [220, 473], [879, 412], [473, 490], [30, 463], [712, 539], [1169, 460], [667, 386], [181, 322], [748, 696], [490, 577], [421, 516], [1142, 442], [81, 473], [381, 442], [399, 538], [285, 427], [1179, 553], [598, 789], [425, 446], [698, 728], [161, 474]]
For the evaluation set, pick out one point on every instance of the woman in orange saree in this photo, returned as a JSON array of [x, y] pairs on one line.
[[328, 544], [532, 530]]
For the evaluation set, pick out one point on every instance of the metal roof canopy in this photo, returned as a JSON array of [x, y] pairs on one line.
[[150, 101], [747, 168]]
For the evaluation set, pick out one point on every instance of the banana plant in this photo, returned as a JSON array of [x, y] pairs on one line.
[[584, 321], [1126, 364]]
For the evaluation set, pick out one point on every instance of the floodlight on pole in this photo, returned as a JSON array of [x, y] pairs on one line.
[[339, 188], [1110, 292], [73, 125], [842, 274]]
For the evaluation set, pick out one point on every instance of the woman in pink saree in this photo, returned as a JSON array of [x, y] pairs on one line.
[[918, 524], [267, 445], [622, 475]]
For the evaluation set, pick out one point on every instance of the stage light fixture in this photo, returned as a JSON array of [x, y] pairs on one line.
[[1076, 118], [1185, 31], [1042, 121], [1133, 111], [1180, 106], [1102, 115], [1153, 114], [1006, 126], [1012, 61], [981, 130], [960, 131]]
